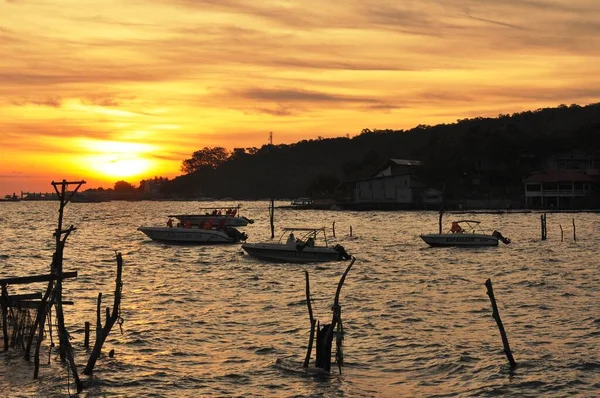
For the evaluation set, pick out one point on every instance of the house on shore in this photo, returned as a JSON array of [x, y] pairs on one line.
[[393, 185], [569, 181]]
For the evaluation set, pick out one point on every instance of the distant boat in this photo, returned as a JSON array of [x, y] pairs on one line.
[[11, 198], [301, 202], [303, 250], [228, 216], [464, 233], [194, 235]]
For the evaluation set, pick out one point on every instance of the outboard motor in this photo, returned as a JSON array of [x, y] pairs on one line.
[[343, 254], [500, 237]]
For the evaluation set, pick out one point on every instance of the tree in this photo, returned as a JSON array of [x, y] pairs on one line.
[[205, 159], [123, 186]]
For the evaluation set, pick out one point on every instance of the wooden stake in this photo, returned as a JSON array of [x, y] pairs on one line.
[[4, 304], [561, 233], [272, 217], [333, 228], [86, 340], [440, 220], [312, 322], [574, 234], [350, 230], [496, 316]]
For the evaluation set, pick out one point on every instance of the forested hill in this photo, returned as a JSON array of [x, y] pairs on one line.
[[449, 151]]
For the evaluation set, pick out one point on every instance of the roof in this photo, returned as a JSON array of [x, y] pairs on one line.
[[399, 162], [561, 176]]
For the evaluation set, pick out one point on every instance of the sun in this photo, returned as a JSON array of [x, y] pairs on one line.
[[114, 159], [122, 166]]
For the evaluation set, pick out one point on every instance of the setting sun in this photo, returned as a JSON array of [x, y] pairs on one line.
[[118, 159]]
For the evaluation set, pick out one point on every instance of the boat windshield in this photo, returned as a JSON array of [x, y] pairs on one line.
[[303, 235], [465, 227]]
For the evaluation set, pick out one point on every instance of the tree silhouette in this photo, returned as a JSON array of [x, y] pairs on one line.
[[205, 159]]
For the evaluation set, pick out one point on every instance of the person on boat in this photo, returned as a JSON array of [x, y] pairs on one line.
[[170, 223], [208, 224], [291, 241], [233, 211], [214, 212], [456, 229], [310, 242], [187, 224]]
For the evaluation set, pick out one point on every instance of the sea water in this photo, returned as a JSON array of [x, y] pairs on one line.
[[212, 321]]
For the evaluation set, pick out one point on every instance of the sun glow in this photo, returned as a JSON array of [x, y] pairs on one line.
[[118, 159]]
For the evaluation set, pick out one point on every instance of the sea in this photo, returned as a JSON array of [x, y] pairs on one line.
[[210, 321]]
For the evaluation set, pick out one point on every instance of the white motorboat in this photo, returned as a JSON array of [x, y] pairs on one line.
[[221, 216], [465, 233], [194, 235], [302, 250]]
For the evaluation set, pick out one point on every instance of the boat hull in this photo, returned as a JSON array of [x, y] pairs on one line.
[[215, 220], [290, 254], [459, 240], [188, 235]]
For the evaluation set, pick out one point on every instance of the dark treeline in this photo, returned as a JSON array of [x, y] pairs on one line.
[[497, 152]]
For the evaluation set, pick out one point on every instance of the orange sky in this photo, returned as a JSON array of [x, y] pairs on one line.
[[104, 90]]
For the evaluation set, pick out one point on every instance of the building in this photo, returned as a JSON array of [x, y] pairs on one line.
[[394, 184], [562, 189]]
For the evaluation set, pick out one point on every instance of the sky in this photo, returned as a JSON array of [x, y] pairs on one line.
[[112, 90]]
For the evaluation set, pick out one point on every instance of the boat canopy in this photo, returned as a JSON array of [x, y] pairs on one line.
[[308, 233]]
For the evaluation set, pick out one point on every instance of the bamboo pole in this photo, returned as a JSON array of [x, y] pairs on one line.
[[496, 316]]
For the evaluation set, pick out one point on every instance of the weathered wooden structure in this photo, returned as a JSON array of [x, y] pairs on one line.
[[325, 333], [26, 315]]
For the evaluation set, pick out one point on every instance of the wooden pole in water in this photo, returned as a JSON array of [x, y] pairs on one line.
[[574, 234], [4, 303], [350, 230], [440, 220], [272, 217], [561, 233], [496, 316], [86, 340], [333, 228], [313, 322], [110, 321]]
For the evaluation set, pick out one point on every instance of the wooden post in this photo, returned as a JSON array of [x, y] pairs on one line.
[[350, 230], [496, 316], [440, 220], [272, 217], [4, 304], [561, 233], [574, 234], [333, 228], [114, 316], [312, 322], [543, 224], [86, 340]]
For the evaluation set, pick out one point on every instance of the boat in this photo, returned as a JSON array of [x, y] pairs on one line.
[[465, 233], [194, 234], [302, 250], [301, 203], [227, 216]]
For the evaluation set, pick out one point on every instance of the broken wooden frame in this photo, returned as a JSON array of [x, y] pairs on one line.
[[324, 339], [24, 330]]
